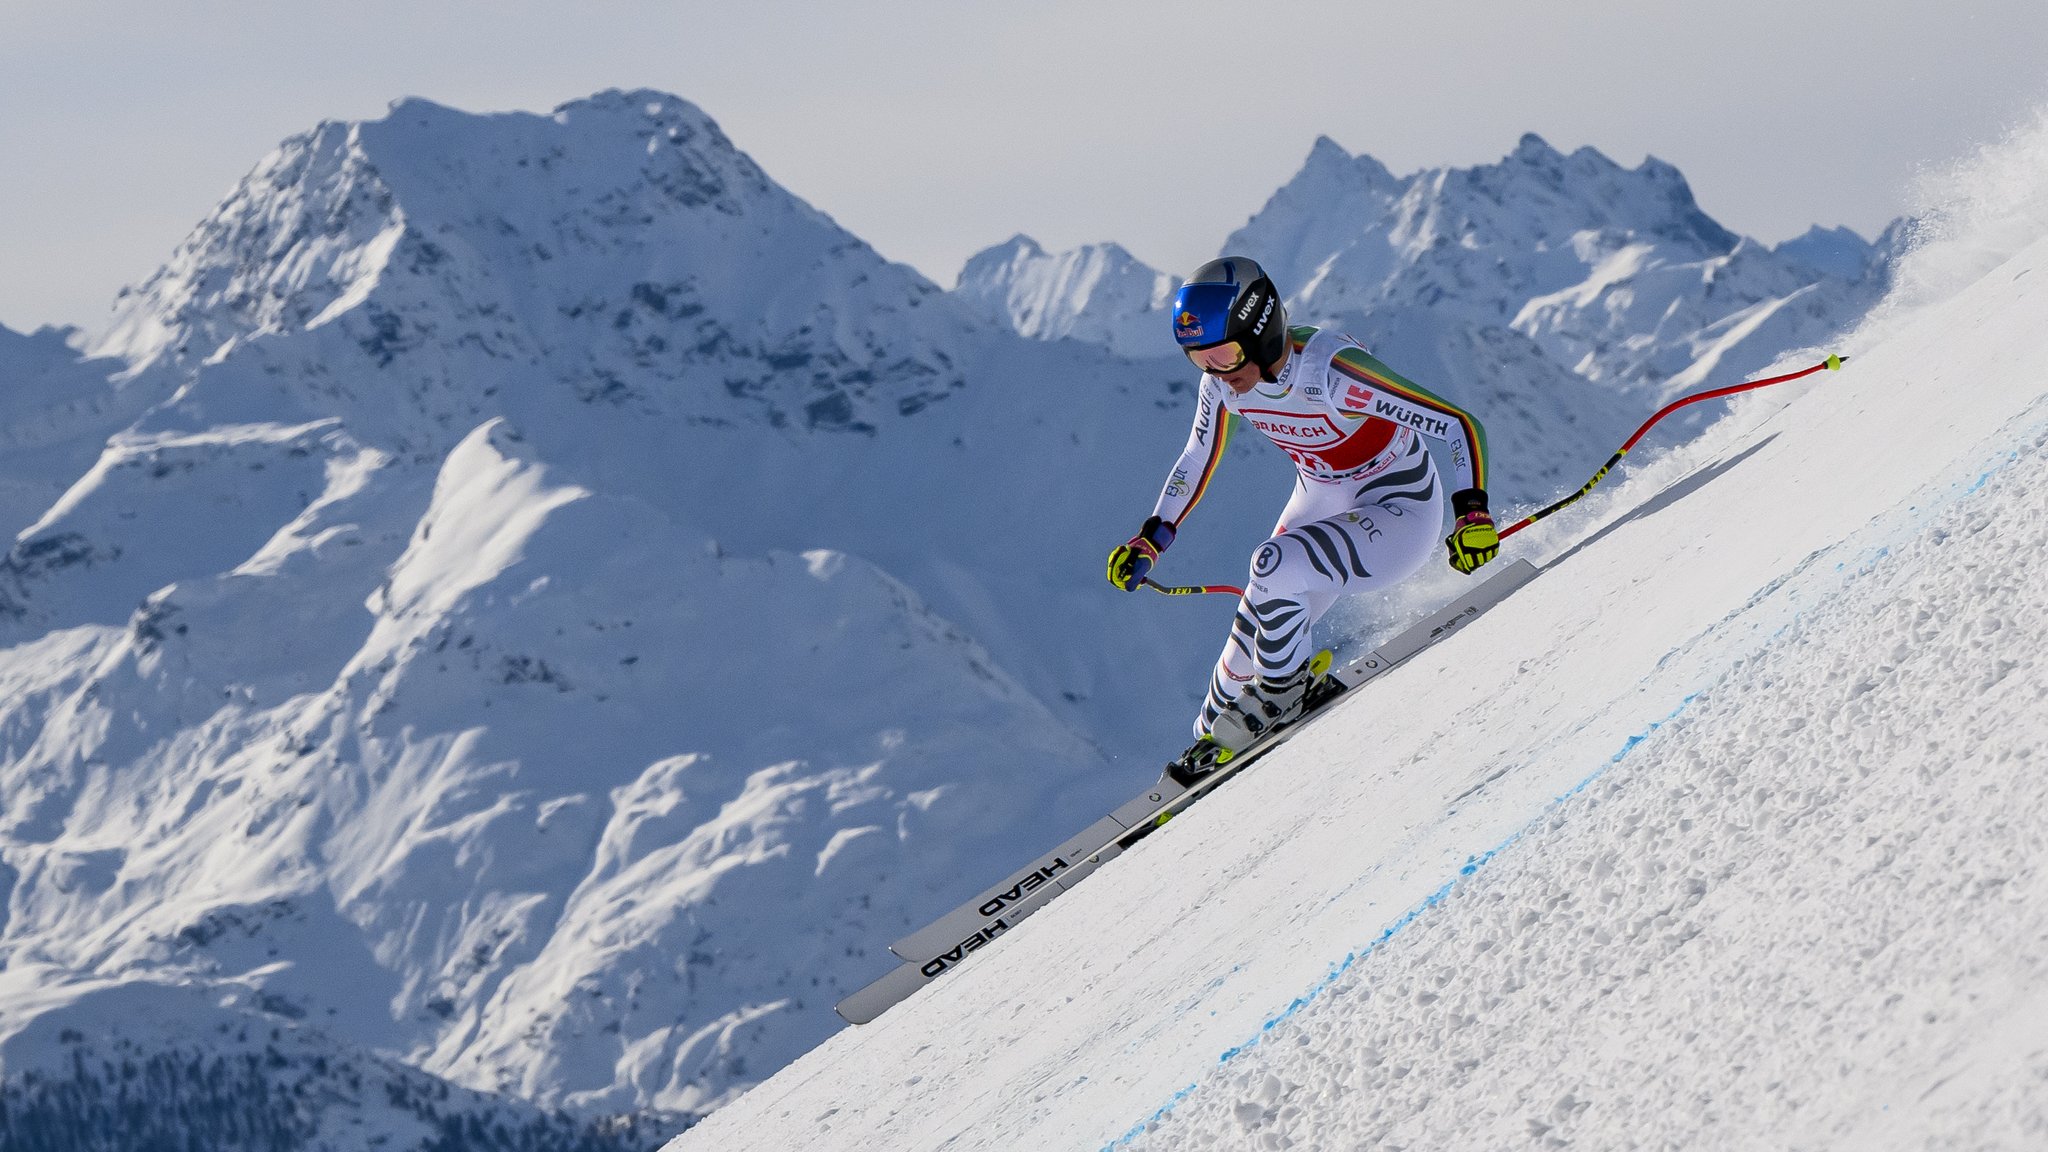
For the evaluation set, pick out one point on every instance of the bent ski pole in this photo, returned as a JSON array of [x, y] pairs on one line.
[[1192, 589], [1832, 362]]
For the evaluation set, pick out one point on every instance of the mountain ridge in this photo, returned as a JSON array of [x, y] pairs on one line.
[[1616, 274]]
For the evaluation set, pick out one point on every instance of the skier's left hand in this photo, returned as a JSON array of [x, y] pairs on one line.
[[1474, 541]]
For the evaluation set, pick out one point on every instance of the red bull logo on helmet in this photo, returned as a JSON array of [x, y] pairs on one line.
[[1187, 326]]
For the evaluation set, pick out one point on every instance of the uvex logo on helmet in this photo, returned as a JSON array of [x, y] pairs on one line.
[[1260, 302], [1265, 314]]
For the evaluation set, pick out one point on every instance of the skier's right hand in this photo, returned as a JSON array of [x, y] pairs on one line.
[[1130, 561]]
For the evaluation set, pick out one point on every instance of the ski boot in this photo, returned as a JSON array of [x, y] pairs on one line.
[[1264, 707], [1202, 757]]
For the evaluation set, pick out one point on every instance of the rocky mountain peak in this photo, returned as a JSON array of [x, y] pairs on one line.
[[1616, 273], [1534, 149], [1099, 293], [621, 236], [1838, 252]]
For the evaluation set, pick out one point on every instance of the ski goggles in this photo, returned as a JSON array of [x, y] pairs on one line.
[[1218, 359]]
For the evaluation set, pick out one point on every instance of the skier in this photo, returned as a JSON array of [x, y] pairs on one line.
[[1366, 507]]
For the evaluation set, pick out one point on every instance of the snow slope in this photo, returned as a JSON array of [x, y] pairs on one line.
[[1725, 832]]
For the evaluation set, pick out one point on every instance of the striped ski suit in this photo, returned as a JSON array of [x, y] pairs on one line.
[[1367, 509]]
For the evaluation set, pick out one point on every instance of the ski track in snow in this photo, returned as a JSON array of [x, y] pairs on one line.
[[1363, 1033]]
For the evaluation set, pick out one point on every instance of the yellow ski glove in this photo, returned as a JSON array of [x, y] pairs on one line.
[[1474, 541], [1130, 561]]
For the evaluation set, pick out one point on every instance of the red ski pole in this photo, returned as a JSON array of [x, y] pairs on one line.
[[1192, 589], [1831, 363]]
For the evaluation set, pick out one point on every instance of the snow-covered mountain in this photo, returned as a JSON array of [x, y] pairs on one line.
[[487, 626], [528, 601], [1724, 832], [1561, 266], [135, 1063], [56, 411], [1098, 293]]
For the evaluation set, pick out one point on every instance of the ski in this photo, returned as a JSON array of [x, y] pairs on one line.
[[948, 942]]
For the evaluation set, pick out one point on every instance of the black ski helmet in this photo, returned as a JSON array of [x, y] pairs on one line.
[[1232, 300]]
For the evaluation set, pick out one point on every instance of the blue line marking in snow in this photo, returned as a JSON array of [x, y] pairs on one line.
[[1138, 1129], [2010, 457], [1473, 864]]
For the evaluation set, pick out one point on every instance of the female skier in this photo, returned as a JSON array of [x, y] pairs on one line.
[[1366, 506]]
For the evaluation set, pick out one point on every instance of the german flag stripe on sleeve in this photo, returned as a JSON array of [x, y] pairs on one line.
[[1362, 366], [1209, 466]]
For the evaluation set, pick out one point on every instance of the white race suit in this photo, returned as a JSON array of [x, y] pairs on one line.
[[1367, 508]]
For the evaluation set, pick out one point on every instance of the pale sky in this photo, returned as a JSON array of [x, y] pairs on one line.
[[934, 128]]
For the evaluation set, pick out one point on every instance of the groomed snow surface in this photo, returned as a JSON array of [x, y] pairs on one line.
[[1725, 833], [1807, 912]]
